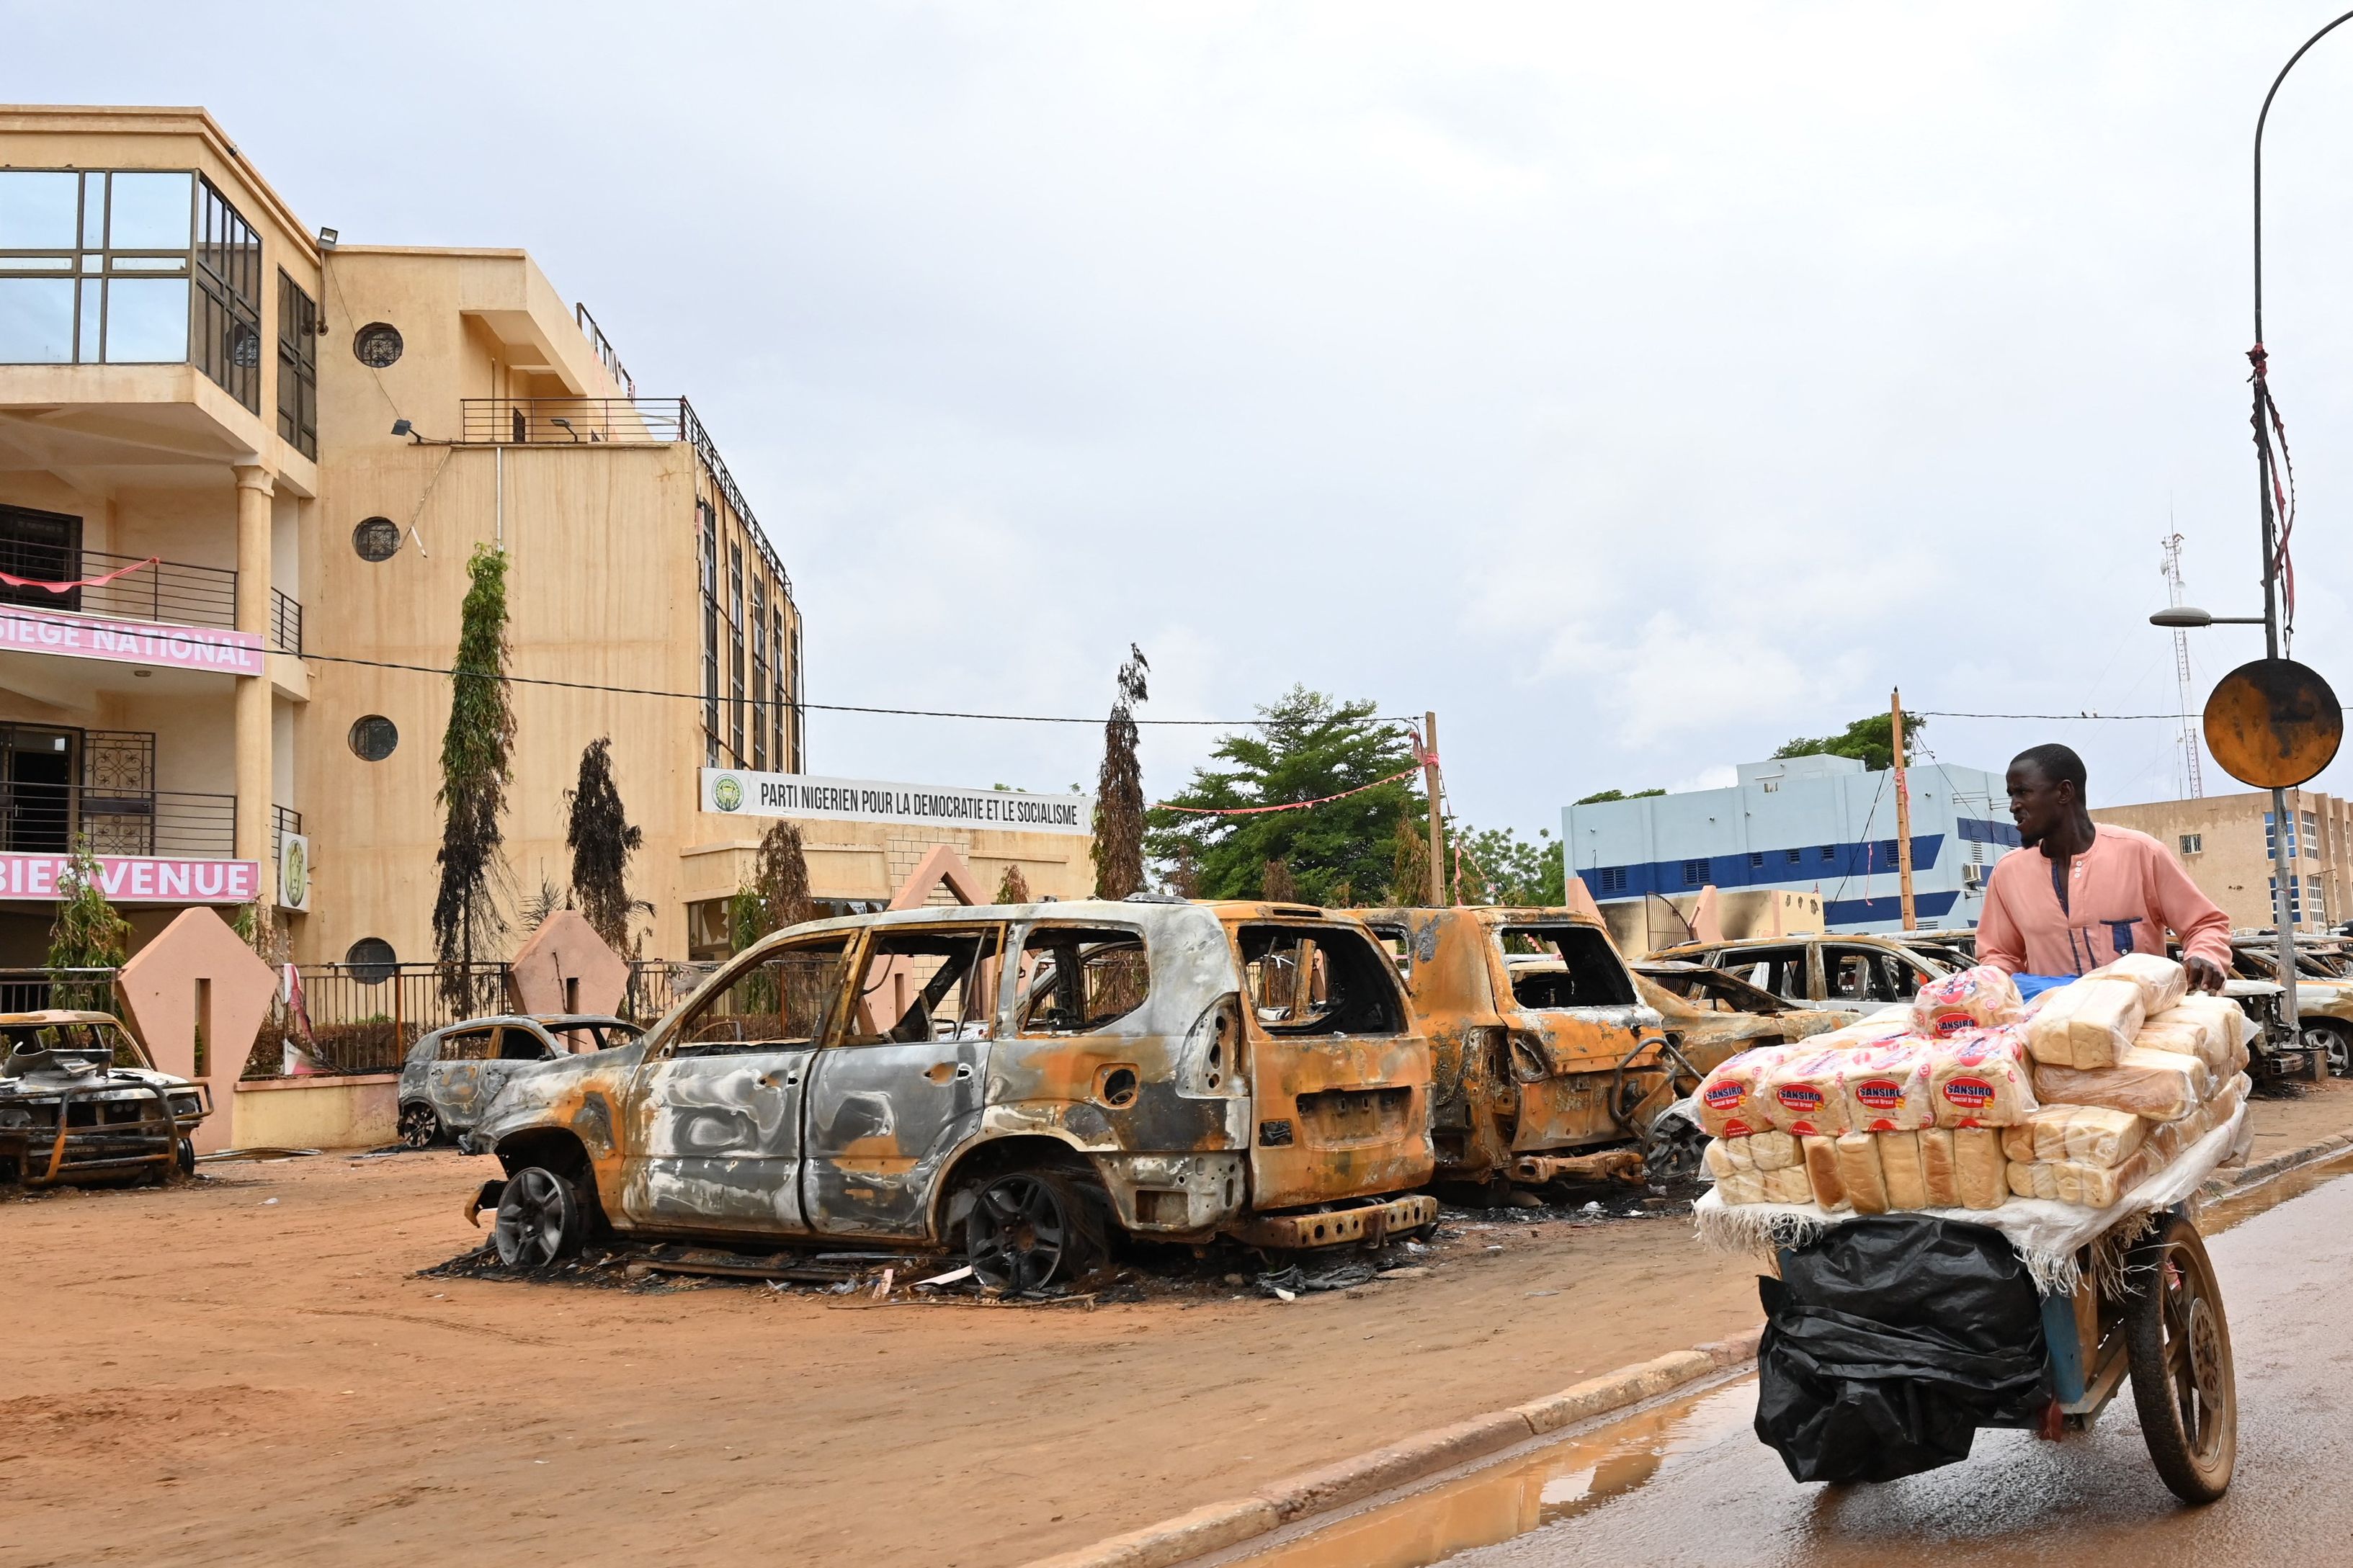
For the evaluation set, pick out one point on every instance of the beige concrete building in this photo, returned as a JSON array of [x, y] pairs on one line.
[[2225, 840], [264, 459]]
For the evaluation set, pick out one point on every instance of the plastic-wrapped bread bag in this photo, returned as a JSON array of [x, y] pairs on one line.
[[1775, 1151], [2087, 1024], [1981, 1080], [1980, 998], [1881, 1028], [1937, 1167], [1860, 1173], [1886, 1088], [1786, 1186], [1822, 1171], [1741, 1187], [1731, 1098], [2073, 1182], [2088, 1135], [2189, 1035], [2226, 1022], [2159, 1085], [1901, 1166], [1807, 1093], [1982, 1167], [2162, 982]]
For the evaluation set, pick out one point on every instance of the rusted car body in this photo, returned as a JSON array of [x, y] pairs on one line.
[[1711, 1015], [2324, 1001], [1842, 973], [81, 1101], [1541, 1047], [451, 1073], [1021, 1075]]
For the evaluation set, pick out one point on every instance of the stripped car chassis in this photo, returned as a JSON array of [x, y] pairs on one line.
[[148, 1143]]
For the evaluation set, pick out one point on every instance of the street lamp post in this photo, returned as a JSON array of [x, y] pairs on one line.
[[2284, 829]]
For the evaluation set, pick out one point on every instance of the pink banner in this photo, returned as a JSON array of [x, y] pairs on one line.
[[129, 642], [136, 879]]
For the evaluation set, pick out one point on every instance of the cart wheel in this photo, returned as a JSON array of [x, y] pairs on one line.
[[2179, 1346]]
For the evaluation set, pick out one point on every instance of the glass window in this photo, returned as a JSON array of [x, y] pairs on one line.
[[298, 374], [784, 999], [150, 211], [1081, 980], [927, 983], [37, 209], [146, 321], [735, 653], [37, 320]]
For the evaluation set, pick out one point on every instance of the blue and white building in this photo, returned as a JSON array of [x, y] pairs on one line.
[[1811, 824]]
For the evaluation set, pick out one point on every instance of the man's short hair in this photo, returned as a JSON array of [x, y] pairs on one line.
[[2055, 763]]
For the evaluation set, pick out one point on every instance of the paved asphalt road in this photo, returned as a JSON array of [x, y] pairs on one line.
[[1717, 1498]]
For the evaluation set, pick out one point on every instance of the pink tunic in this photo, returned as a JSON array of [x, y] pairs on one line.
[[2122, 895]]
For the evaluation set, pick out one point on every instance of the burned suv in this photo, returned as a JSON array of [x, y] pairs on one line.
[[81, 1101], [1542, 1051], [1019, 1078]]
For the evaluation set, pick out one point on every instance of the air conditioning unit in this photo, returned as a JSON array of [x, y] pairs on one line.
[[1973, 877]]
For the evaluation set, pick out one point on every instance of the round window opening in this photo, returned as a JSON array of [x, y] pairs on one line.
[[373, 737], [377, 345], [371, 961], [378, 539]]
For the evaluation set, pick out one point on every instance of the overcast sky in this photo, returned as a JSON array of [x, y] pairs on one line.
[[1638, 387]]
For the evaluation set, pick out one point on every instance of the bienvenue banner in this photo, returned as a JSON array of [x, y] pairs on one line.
[[129, 642], [737, 793], [137, 879]]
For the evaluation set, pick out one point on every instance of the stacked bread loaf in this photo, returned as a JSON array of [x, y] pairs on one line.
[[1969, 1096]]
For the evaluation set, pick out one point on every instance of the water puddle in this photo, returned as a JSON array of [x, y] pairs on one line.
[[2239, 1208], [1543, 1488], [1573, 1476]]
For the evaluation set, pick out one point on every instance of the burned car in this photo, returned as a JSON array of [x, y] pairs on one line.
[[453, 1073], [81, 1101], [1546, 1062], [1846, 972], [1020, 1080], [1712, 1014]]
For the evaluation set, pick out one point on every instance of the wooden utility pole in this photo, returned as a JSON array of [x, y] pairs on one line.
[[1902, 811], [1438, 894]]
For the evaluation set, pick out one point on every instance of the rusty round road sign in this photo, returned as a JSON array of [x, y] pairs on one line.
[[2273, 723]]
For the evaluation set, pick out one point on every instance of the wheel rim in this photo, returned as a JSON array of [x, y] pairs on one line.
[[2334, 1046], [1018, 1235], [529, 1228], [418, 1126], [2196, 1372]]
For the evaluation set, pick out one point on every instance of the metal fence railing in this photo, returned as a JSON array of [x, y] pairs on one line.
[[50, 818], [363, 1017], [73, 990], [285, 622], [658, 984]]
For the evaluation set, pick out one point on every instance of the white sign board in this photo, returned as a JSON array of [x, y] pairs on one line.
[[733, 792]]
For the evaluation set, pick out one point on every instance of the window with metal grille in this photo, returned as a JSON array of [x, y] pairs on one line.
[[759, 674], [787, 722], [373, 737], [1611, 878], [2193, 843], [377, 539], [708, 518], [297, 369], [1694, 873], [735, 652], [377, 345]]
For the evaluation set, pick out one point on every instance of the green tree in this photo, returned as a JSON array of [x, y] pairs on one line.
[[1871, 739], [1499, 867], [1118, 848], [601, 837], [88, 933], [1309, 747], [1602, 797], [476, 768], [1013, 887], [779, 894]]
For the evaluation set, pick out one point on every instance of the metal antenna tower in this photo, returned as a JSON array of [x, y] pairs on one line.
[[2172, 570]]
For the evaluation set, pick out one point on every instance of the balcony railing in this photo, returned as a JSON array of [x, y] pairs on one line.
[[173, 593], [283, 820], [584, 421]]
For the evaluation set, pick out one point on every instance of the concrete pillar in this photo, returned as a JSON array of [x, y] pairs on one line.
[[254, 772]]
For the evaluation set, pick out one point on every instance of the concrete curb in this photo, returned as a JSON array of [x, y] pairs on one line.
[[1215, 1526]]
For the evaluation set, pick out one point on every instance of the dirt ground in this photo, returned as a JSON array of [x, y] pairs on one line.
[[249, 1368]]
